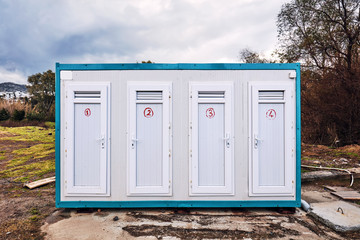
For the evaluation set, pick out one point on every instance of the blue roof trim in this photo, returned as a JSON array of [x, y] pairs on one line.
[[176, 204], [180, 66]]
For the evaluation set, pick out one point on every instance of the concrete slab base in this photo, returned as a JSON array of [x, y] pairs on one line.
[[316, 196], [179, 224], [338, 215]]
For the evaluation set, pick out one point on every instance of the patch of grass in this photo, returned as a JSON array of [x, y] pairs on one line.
[[2, 155], [18, 161], [37, 151], [30, 133], [19, 168], [346, 154], [50, 125], [36, 215], [27, 172], [34, 152], [34, 211], [351, 154], [34, 218]]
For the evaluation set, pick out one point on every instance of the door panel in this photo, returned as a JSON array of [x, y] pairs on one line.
[[271, 145], [87, 136], [149, 144], [272, 139], [211, 138], [87, 144], [149, 139], [211, 145]]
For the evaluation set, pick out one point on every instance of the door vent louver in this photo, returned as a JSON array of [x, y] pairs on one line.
[[87, 94], [149, 95], [271, 95], [211, 94]]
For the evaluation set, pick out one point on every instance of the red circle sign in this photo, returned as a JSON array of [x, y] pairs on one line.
[[87, 112], [210, 113], [148, 112], [271, 114]]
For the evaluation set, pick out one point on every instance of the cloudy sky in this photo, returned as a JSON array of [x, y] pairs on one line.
[[34, 34]]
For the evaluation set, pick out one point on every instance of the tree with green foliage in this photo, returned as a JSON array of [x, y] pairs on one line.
[[42, 91], [324, 35]]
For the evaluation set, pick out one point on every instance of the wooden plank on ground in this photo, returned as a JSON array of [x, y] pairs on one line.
[[337, 189], [40, 182], [347, 195]]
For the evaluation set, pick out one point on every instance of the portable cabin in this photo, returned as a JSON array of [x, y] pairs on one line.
[[177, 135]]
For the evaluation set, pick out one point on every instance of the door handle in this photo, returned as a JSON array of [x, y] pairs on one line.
[[133, 141], [257, 140], [227, 140], [102, 141]]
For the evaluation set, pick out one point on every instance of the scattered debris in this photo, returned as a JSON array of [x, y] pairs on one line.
[[40, 182], [320, 175], [337, 189], [335, 169], [347, 195], [116, 218], [344, 193]]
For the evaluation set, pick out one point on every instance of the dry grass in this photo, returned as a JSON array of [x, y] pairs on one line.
[[12, 105]]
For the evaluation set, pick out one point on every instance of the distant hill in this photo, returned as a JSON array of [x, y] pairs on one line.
[[12, 87]]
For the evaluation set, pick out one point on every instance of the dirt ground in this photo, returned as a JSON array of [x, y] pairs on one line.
[[342, 157], [23, 212]]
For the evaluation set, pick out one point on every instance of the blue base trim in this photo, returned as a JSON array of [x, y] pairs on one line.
[[176, 204]]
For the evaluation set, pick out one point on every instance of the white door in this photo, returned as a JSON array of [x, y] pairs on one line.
[[87, 138], [149, 136], [211, 138], [272, 139]]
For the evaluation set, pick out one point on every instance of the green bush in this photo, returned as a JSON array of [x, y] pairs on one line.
[[34, 116], [18, 115], [4, 114]]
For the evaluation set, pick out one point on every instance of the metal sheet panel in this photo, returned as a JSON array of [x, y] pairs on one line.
[[149, 150], [271, 145], [211, 144], [87, 144], [119, 139]]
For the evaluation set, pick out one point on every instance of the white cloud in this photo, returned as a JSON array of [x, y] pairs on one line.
[[12, 76]]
